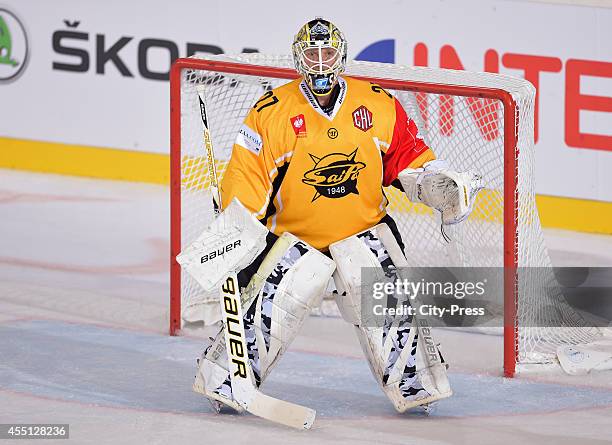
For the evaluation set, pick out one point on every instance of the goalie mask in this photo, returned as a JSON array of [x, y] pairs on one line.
[[319, 54]]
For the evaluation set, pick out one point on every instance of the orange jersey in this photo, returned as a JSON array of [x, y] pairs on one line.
[[321, 176]]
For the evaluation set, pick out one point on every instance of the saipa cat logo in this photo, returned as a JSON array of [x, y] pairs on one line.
[[334, 175], [14, 49]]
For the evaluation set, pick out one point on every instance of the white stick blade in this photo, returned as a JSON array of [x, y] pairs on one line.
[[280, 411]]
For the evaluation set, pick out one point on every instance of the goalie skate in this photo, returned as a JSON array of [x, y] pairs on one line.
[[222, 395]]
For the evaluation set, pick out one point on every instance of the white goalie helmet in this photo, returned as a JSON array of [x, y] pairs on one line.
[[319, 54]]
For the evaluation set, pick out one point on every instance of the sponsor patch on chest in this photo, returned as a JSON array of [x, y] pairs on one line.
[[298, 123]]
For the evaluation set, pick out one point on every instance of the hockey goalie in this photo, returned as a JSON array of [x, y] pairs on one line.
[[302, 202]]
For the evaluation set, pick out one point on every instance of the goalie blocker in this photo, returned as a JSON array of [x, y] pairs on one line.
[[402, 354]]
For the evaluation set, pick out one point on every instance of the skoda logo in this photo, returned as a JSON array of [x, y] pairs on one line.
[[14, 49]]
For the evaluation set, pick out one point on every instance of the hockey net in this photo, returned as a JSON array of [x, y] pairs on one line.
[[476, 121]]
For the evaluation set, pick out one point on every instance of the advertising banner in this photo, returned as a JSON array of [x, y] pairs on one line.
[[96, 74]]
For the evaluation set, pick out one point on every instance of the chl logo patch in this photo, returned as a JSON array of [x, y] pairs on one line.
[[362, 118], [334, 175], [298, 123]]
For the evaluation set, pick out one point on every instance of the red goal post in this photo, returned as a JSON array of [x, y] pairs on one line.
[[498, 109]]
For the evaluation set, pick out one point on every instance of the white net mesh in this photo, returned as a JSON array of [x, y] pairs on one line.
[[468, 132]]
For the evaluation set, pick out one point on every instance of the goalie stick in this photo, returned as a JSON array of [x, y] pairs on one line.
[[243, 388], [210, 153]]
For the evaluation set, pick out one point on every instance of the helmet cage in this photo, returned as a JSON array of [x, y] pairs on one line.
[[319, 57]]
